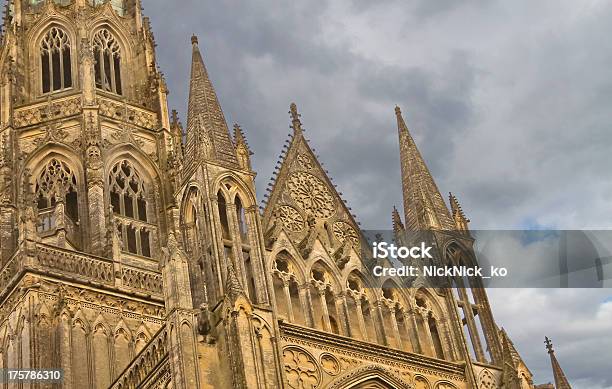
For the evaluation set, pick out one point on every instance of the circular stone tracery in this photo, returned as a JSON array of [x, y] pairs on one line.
[[311, 194], [343, 231], [290, 217]]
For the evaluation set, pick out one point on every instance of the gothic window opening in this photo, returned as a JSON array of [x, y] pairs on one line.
[[130, 202], [107, 55], [287, 289], [55, 61], [469, 309], [435, 338], [223, 216], [56, 183], [240, 215]]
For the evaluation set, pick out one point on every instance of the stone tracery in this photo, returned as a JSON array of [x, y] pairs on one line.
[[311, 194]]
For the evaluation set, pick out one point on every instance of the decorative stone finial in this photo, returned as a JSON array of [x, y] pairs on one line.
[[295, 118], [194, 39], [549, 345]]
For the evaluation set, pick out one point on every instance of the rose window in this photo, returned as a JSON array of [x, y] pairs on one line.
[[311, 194], [290, 217]]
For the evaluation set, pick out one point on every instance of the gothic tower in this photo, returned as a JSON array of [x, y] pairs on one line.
[[85, 138]]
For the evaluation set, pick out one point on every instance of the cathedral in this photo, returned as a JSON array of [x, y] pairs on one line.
[[134, 253]]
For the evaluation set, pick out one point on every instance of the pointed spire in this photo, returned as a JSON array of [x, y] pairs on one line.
[[296, 124], [561, 381], [207, 133], [461, 221], [424, 207], [398, 226]]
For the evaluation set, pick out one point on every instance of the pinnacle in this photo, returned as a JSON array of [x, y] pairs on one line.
[[295, 118], [194, 39]]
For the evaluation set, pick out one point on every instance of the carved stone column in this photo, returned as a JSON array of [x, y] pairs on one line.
[[321, 292], [342, 312], [396, 333], [362, 325], [288, 298], [306, 300], [431, 350], [383, 334], [411, 318]]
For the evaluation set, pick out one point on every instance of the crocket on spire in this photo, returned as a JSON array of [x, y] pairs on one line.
[[207, 131], [424, 207]]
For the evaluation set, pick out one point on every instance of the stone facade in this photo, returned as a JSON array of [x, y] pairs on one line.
[[134, 254]]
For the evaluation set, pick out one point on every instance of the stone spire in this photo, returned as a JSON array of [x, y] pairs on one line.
[[424, 207], [208, 137], [561, 381]]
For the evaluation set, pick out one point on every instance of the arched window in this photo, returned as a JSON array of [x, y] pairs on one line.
[[223, 215], [241, 217], [55, 61], [435, 338], [129, 199], [465, 294], [195, 239], [107, 55], [56, 183]]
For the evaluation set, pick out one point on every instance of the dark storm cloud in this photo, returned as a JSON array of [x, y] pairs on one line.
[[509, 104]]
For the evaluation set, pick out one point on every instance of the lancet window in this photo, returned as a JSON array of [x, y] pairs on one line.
[[55, 60], [55, 184], [131, 204], [107, 55]]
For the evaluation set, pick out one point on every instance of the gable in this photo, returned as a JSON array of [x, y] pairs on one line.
[[303, 197]]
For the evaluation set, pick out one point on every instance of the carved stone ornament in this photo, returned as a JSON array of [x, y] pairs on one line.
[[301, 369], [343, 231], [305, 162], [487, 380], [330, 364], [311, 194], [290, 217]]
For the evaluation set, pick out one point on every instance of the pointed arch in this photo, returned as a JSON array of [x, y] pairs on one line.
[[107, 61], [56, 60], [287, 280], [54, 176], [79, 350], [40, 43], [101, 353], [122, 340], [361, 377], [133, 193], [196, 240]]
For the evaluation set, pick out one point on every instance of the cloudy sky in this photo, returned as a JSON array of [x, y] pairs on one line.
[[509, 102]]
